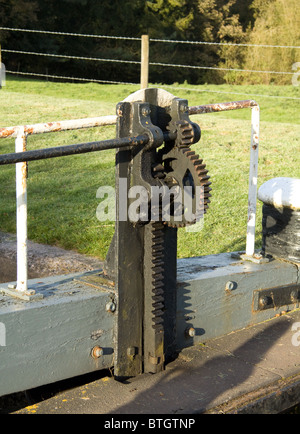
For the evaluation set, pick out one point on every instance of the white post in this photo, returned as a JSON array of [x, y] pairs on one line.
[[21, 198], [252, 194]]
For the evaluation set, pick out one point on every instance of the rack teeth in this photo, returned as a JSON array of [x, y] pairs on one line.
[[157, 276]]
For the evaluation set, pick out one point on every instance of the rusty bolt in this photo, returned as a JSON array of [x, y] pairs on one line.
[[264, 301], [110, 307], [145, 111], [97, 352], [191, 332], [12, 286]]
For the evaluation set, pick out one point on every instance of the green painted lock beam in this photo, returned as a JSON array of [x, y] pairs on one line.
[[67, 333]]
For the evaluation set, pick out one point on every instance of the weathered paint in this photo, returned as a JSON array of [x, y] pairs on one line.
[[51, 127], [204, 303], [214, 108], [21, 202], [52, 339], [253, 173]]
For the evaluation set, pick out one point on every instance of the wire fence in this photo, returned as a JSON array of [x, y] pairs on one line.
[[171, 41], [173, 65], [135, 62]]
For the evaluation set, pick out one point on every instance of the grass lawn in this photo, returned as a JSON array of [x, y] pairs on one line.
[[62, 191]]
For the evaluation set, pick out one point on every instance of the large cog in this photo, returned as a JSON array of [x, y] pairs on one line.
[[183, 168]]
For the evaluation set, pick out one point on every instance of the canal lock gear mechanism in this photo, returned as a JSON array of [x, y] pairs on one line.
[[143, 255]]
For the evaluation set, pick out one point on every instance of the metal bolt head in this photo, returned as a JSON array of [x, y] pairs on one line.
[[191, 332], [264, 301], [229, 285], [110, 307], [12, 286], [145, 111], [183, 108], [97, 352]]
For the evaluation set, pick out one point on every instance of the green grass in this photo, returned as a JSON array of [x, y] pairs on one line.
[[62, 192]]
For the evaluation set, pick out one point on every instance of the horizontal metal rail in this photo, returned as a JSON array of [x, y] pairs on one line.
[[68, 125], [51, 127], [81, 148], [214, 108]]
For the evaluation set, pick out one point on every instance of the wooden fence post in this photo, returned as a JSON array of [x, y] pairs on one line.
[[145, 62]]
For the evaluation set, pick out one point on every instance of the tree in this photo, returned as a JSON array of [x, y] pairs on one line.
[[172, 18], [276, 23], [230, 30], [18, 14], [234, 21]]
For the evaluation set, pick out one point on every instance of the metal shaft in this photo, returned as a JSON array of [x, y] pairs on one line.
[[61, 151]]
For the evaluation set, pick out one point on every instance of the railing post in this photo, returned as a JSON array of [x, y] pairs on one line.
[[145, 62], [252, 194], [21, 200]]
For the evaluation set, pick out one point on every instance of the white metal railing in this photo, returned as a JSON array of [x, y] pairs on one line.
[[20, 133], [253, 171]]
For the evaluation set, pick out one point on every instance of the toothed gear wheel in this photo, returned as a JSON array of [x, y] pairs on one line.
[[185, 134], [182, 168]]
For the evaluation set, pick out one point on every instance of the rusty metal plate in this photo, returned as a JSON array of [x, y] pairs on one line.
[[98, 281]]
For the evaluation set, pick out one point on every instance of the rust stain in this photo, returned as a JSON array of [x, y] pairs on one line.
[[54, 126], [4, 132], [28, 130], [24, 175], [210, 108]]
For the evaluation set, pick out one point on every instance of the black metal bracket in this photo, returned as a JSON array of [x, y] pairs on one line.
[[274, 298], [142, 259], [179, 112]]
